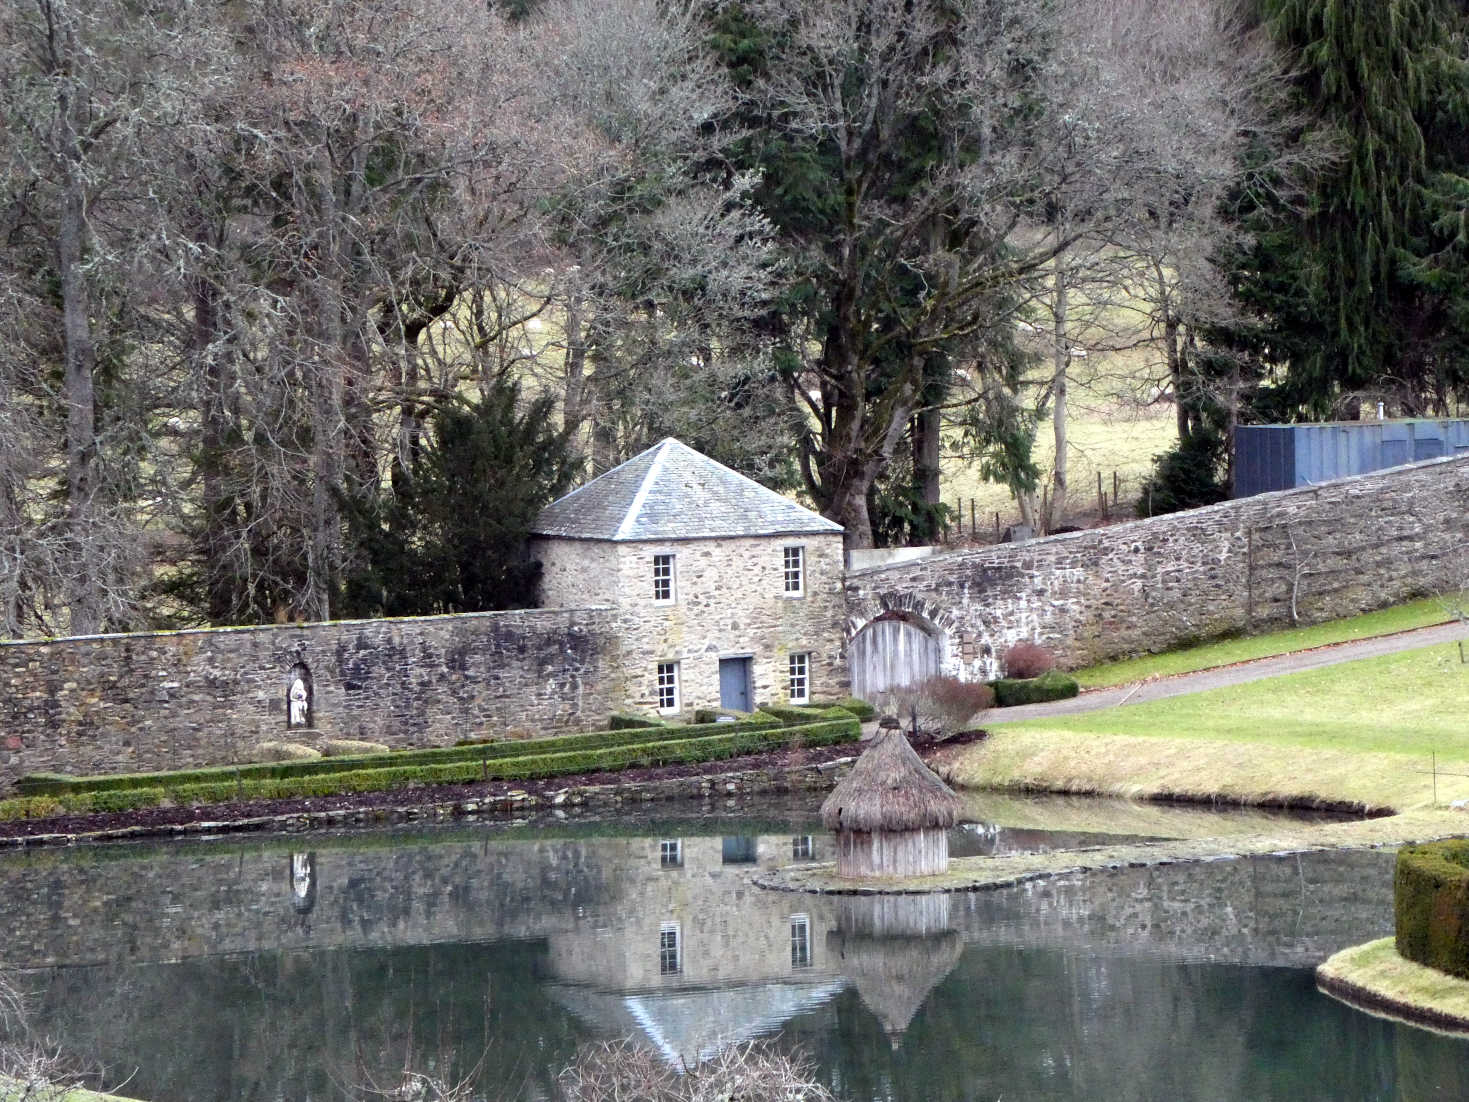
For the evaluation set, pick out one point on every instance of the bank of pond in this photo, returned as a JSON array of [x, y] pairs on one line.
[[306, 966]]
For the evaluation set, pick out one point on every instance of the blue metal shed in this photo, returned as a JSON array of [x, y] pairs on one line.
[[1282, 457]]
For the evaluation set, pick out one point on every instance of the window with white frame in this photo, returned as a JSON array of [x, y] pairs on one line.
[[795, 571], [801, 847], [663, 591], [668, 686], [670, 950], [799, 686], [800, 941], [670, 853]]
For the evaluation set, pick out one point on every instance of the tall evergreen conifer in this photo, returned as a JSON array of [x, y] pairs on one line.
[[1363, 295]]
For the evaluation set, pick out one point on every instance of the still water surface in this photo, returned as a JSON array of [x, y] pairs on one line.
[[283, 968]]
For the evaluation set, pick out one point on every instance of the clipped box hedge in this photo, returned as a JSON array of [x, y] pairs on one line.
[[1431, 905], [625, 721], [1011, 692], [859, 708], [54, 784], [700, 743]]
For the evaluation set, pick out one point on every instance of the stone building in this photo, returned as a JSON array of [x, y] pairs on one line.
[[725, 593]]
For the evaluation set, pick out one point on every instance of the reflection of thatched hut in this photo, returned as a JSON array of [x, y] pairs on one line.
[[891, 813], [894, 975]]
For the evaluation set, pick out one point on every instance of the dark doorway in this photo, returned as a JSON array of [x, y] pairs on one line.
[[734, 684]]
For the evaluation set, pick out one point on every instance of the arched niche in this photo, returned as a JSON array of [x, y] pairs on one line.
[[300, 698]]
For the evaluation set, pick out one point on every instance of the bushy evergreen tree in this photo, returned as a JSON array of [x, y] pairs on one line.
[[452, 536], [1365, 295]]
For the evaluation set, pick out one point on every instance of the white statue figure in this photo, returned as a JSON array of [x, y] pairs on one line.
[[297, 697]]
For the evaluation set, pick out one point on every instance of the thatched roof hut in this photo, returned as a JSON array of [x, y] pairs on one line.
[[891, 813]]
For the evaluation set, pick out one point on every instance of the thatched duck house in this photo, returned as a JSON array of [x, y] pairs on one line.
[[891, 814]]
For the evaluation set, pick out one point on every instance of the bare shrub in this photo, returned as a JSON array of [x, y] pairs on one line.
[[622, 1070], [30, 1064], [1028, 660], [952, 704]]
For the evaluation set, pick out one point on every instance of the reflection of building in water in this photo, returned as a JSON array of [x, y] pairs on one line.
[[690, 956], [895, 950]]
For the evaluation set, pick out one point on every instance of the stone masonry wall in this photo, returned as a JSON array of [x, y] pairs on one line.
[[576, 573], [125, 703], [730, 601], [1339, 548]]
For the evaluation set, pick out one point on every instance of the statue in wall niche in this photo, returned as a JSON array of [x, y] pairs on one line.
[[299, 700]]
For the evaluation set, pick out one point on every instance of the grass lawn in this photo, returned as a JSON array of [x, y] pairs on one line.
[[1408, 703], [1377, 971], [1361, 732], [1123, 441], [1415, 614]]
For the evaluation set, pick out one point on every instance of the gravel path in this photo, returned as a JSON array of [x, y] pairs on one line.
[[1237, 674]]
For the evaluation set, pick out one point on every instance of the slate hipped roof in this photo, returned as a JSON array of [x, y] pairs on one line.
[[672, 492]]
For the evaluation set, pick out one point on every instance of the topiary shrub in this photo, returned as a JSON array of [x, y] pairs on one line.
[[712, 715], [1431, 905], [351, 747], [1027, 660], [44, 784], [627, 721], [283, 751], [859, 708], [1011, 692]]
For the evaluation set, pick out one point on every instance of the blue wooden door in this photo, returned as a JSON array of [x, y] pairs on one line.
[[734, 683]]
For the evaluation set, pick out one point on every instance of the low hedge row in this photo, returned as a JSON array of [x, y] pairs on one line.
[[834, 728], [627, 721], [54, 784], [859, 708], [1431, 905], [1011, 692]]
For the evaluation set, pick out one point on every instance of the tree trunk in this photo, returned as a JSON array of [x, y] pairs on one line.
[[573, 406], [1061, 362], [926, 453], [848, 508], [80, 362], [213, 385]]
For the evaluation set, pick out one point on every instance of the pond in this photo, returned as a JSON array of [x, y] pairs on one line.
[[284, 968]]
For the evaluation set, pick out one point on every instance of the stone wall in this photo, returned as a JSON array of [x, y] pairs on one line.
[[1335, 549], [155, 700]]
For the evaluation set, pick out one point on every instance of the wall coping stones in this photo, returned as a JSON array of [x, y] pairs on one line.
[[299, 625], [1119, 529]]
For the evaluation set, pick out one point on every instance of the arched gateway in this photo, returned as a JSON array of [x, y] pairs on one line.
[[895, 650]]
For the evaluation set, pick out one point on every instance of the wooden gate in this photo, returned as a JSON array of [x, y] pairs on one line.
[[889, 654]]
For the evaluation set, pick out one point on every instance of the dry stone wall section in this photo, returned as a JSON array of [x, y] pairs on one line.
[[1331, 550], [125, 703]]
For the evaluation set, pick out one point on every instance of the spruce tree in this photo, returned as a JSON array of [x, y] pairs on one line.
[[1363, 294]]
